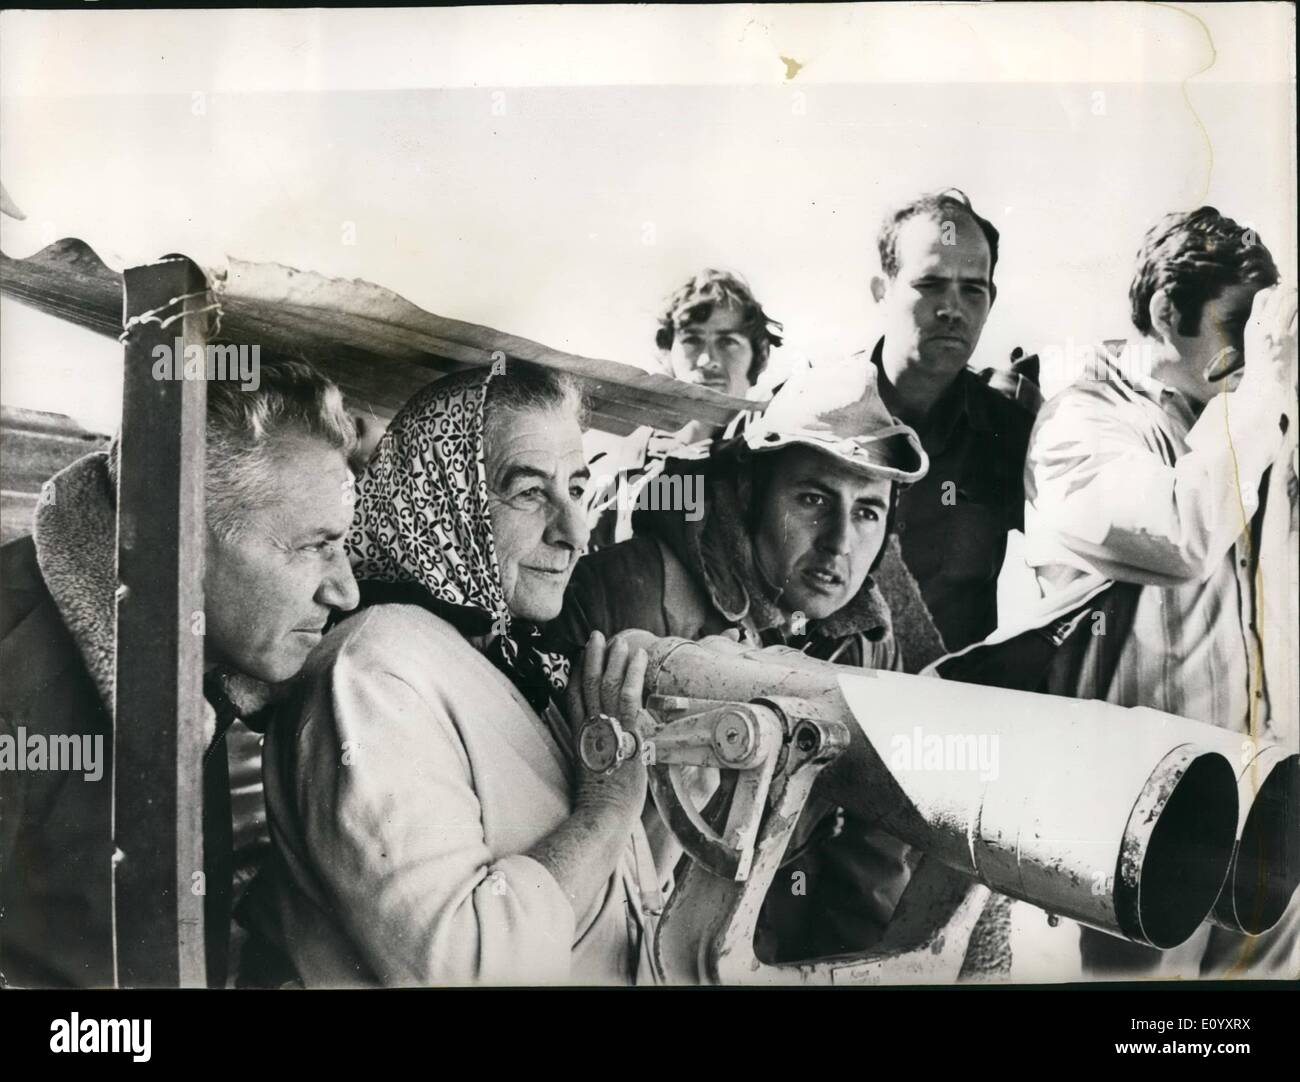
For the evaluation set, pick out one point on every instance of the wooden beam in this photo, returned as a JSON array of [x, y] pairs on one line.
[[376, 344], [158, 727], [68, 281]]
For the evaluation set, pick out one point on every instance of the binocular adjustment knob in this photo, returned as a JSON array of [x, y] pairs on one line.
[[604, 745]]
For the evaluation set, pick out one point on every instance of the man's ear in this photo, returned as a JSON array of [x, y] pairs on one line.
[[878, 287], [1163, 315], [993, 293]]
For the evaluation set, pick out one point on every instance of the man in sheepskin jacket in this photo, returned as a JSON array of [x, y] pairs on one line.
[[274, 572]]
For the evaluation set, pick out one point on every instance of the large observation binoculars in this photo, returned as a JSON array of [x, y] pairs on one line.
[[1136, 822]]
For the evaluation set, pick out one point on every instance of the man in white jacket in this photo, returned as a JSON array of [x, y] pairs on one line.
[[1156, 473]]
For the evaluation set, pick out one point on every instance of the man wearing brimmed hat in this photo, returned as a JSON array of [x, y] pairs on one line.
[[790, 549], [933, 294]]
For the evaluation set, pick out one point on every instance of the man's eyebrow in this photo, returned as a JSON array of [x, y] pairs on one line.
[[582, 474], [821, 486], [873, 501], [817, 483], [935, 276], [320, 532]]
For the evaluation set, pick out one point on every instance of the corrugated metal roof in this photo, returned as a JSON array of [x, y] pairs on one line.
[[378, 346]]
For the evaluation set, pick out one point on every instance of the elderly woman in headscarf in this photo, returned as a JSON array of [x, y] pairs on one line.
[[432, 823]]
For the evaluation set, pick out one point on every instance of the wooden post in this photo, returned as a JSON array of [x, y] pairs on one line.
[[158, 726]]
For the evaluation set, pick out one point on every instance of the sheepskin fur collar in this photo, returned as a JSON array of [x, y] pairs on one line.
[[75, 534]]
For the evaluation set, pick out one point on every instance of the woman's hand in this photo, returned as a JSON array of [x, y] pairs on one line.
[[612, 682], [584, 850]]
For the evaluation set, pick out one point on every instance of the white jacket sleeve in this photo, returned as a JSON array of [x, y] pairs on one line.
[[1104, 493]]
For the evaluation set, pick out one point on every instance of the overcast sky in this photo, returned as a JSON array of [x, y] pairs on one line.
[[555, 172]]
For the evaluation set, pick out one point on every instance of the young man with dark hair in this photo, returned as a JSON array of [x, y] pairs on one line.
[[712, 333], [934, 293], [1164, 483]]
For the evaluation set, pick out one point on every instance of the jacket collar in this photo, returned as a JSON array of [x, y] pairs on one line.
[[962, 400], [1112, 365], [75, 535]]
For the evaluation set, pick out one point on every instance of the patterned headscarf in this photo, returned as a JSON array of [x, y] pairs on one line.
[[422, 524]]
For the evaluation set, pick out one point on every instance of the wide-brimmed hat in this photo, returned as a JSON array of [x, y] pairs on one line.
[[838, 410]]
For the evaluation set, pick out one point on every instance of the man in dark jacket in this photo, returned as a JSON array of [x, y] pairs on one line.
[[781, 537], [274, 570], [934, 293]]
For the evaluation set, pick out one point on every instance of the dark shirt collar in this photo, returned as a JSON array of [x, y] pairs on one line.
[[962, 401]]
